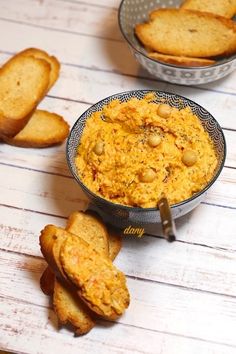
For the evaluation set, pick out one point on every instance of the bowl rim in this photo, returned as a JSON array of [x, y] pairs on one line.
[[227, 60], [140, 209]]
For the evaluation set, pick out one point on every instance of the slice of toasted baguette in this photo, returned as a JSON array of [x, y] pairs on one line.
[[73, 225], [226, 8], [100, 284], [41, 54], [181, 61], [42, 130], [89, 227], [188, 33], [23, 83], [70, 309]]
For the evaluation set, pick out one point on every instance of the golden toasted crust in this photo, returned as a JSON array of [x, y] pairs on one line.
[[41, 54], [42, 130], [89, 227], [50, 240], [100, 284], [70, 309], [67, 304], [188, 33], [47, 281], [23, 84], [226, 8], [181, 61]]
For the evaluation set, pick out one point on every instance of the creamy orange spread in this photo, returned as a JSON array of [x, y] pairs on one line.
[[132, 152]]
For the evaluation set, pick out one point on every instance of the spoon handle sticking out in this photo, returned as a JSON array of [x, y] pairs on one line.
[[168, 224]]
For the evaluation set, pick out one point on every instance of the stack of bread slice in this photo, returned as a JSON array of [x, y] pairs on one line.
[[80, 275], [193, 35], [25, 79]]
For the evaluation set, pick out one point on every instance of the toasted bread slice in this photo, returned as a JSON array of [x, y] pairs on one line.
[[42, 130], [70, 309], [23, 83], [89, 227], [68, 306], [41, 54], [48, 237], [188, 33], [100, 284], [225, 8], [181, 61]]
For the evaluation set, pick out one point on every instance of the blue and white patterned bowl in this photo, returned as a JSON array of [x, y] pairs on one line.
[[123, 216], [132, 12]]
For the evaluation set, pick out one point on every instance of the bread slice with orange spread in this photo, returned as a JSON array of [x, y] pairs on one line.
[[99, 284], [190, 33], [67, 305]]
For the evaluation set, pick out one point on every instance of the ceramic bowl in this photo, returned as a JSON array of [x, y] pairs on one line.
[[123, 216], [132, 12]]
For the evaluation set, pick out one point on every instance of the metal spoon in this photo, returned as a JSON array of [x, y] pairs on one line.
[[168, 224]]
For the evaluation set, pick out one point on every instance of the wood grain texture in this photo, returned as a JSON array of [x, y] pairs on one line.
[[189, 306], [205, 226], [34, 322], [194, 266], [71, 17], [183, 295]]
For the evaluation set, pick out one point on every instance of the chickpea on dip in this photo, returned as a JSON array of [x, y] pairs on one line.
[[132, 152]]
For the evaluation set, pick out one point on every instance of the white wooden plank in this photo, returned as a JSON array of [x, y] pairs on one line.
[[104, 3], [166, 308], [20, 229], [40, 336], [80, 17], [206, 225], [73, 48], [180, 263]]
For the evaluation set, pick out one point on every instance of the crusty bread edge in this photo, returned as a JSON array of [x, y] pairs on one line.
[[13, 126], [39, 144], [181, 61]]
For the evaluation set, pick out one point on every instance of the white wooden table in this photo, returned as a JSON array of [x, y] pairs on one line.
[[183, 295]]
